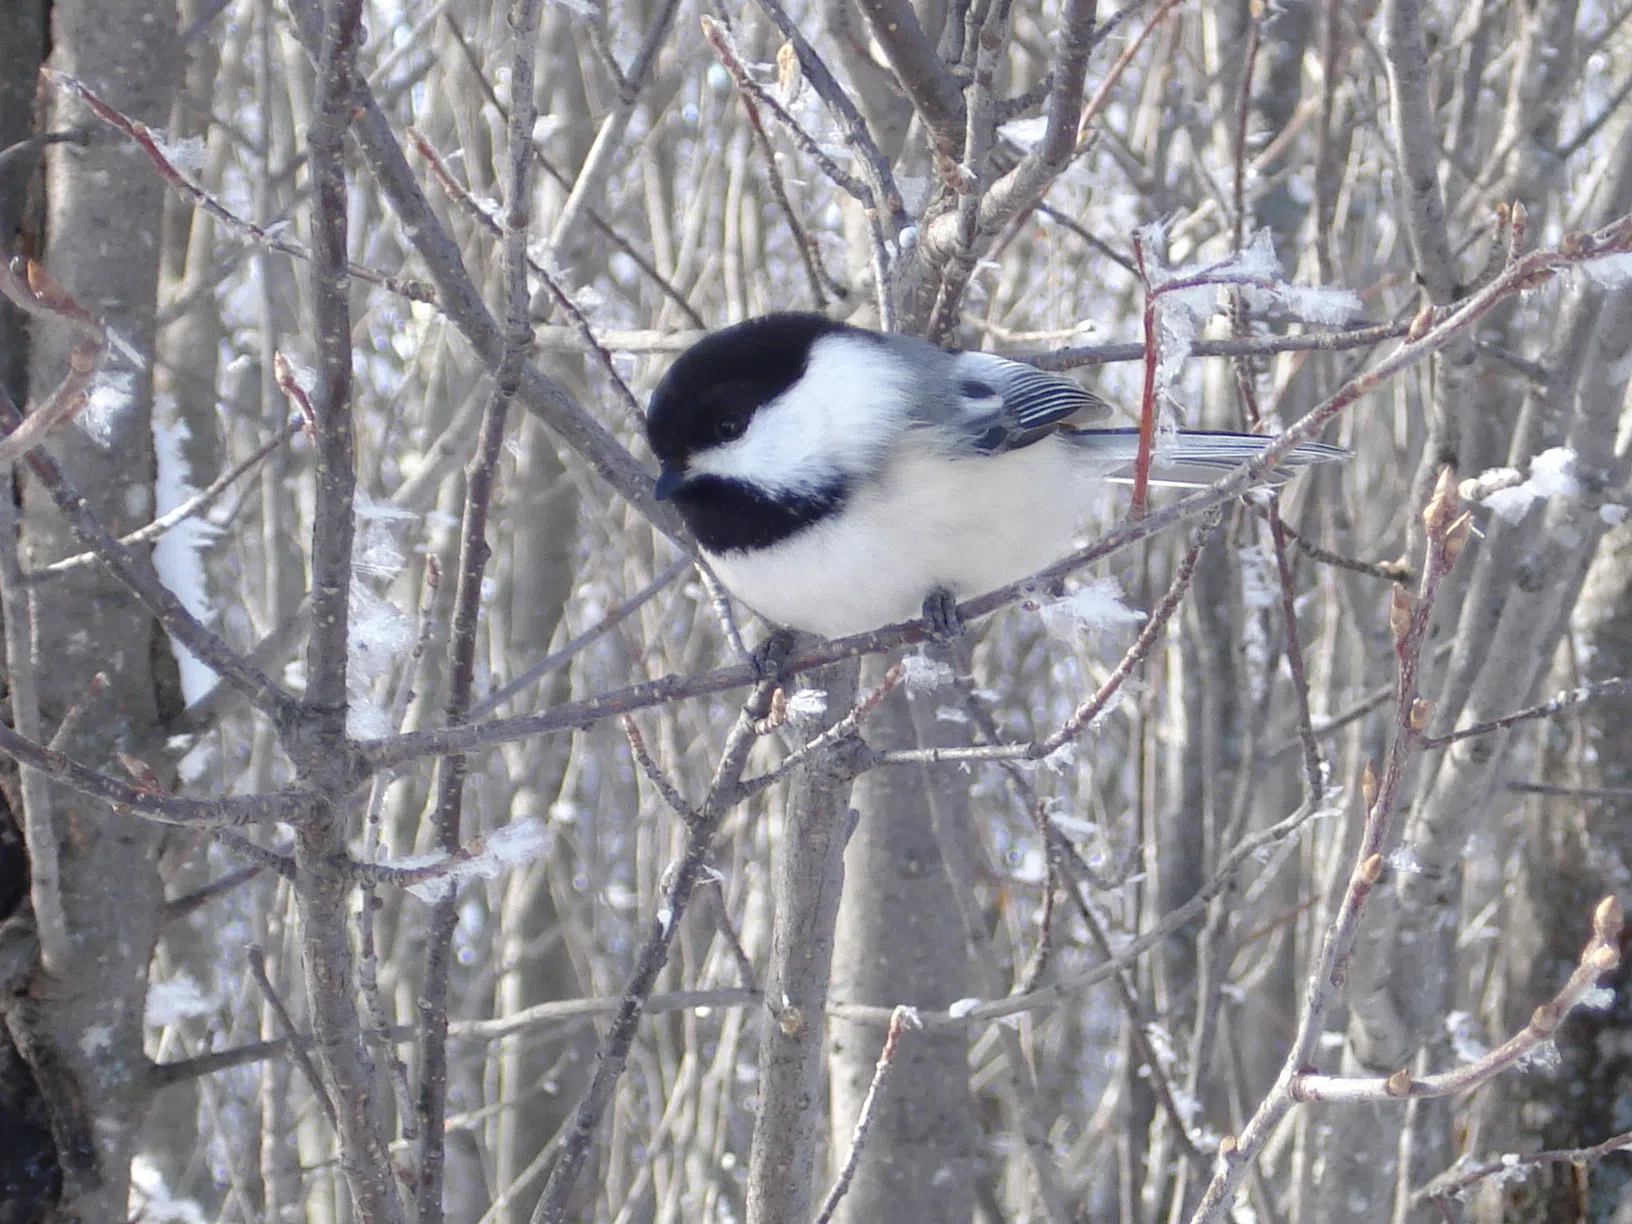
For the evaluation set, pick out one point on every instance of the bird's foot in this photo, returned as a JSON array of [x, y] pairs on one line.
[[941, 616], [770, 657]]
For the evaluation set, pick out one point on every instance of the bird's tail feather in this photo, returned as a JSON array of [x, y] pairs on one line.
[[1195, 459]]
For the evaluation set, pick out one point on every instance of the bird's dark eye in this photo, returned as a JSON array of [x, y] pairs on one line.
[[730, 427]]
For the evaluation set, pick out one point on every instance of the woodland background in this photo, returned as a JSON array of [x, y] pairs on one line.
[[459, 882]]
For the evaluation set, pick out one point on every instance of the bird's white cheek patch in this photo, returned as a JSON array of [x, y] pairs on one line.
[[838, 421]]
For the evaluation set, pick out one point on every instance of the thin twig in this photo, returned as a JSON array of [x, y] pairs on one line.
[[720, 39], [681, 879], [474, 552], [297, 1049], [196, 504], [1314, 769], [148, 142], [558, 659], [1446, 528], [1448, 1186], [1587, 692], [654, 774], [901, 1019], [1600, 956], [144, 583], [1338, 341]]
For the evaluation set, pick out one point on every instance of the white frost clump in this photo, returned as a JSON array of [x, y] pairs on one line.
[[962, 1008], [1610, 271], [187, 154], [1552, 474], [1162, 1047], [807, 704], [1404, 859], [1025, 132], [151, 1199], [1543, 1059], [178, 999], [1094, 607], [379, 634], [1319, 303], [922, 674], [377, 551], [1598, 998], [111, 395], [1467, 1038], [1186, 296], [512, 845], [178, 554]]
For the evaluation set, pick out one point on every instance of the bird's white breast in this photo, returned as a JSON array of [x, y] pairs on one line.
[[968, 525]]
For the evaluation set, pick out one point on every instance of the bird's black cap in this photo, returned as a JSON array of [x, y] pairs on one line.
[[729, 374]]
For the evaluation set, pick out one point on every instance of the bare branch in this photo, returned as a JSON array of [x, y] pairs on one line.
[[1601, 955], [681, 880], [149, 143], [901, 1019], [233, 811], [1587, 692], [194, 505]]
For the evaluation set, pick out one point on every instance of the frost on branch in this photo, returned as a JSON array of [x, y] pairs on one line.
[[430, 877], [1184, 297], [1552, 474], [1094, 607]]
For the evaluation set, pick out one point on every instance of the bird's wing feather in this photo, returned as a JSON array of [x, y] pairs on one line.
[[1008, 404]]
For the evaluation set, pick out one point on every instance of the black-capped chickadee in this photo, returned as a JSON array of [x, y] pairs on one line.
[[839, 479]]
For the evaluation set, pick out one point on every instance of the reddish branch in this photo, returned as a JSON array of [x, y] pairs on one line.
[[151, 144], [1447, 528]]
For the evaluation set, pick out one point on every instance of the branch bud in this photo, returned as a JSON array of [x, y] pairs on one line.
[[1368, 785], [1372, 869], [1456, 538], [788, 76], [1443, 506], [1398, 1084], [1421, 323], [1602, 958], [1607, 918], [1421, 711], [1399, 613]]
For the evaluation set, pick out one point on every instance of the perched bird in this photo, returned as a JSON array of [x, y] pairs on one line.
[[840, 479]]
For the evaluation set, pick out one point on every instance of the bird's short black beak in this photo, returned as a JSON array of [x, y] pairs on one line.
[[668, 482]]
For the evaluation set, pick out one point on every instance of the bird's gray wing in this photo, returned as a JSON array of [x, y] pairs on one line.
[[1007, 404]]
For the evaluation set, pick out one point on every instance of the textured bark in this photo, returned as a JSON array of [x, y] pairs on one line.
[[30, 1179], [809, 879], [81, 1029], [900, 941]]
